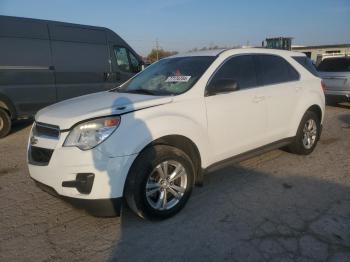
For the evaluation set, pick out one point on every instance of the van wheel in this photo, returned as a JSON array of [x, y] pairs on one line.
[[308, 134], [160, 182], [5, 123]]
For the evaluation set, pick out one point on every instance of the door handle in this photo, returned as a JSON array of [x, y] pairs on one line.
[[106, 76], [257, 99]]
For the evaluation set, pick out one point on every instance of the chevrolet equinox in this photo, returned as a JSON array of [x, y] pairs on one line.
[[150, 140]]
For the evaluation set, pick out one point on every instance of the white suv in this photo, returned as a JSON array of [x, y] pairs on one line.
[[150, 140]]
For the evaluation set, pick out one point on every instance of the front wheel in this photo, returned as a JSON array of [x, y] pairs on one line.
[[307, 135], [160, 182]]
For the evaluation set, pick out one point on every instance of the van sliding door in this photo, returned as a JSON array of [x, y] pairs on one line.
[[81, 60]]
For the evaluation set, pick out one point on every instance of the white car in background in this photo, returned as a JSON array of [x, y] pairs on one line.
[[335, 72], [150, 140]]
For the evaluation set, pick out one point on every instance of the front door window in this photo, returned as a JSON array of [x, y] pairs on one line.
[[121, 55]]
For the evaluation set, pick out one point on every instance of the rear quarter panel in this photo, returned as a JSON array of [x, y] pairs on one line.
[[312, 94]]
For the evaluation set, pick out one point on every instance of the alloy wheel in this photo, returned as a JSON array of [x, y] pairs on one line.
[[309, 133], [166, 185]]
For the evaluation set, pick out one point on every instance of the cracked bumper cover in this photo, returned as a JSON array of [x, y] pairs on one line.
[[97, 207]]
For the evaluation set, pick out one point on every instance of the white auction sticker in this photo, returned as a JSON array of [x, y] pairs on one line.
[[178, 79]]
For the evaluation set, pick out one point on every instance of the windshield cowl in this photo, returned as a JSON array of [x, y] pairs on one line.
[[142, 91]]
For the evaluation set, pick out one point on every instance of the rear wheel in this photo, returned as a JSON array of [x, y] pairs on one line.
[[5, 123], [308, 134], [160, 182]]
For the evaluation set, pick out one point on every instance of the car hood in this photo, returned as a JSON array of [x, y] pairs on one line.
[[67, 113]]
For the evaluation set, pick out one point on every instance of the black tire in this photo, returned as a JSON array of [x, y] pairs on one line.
[[141, 170], [297, 146], [5, 123]]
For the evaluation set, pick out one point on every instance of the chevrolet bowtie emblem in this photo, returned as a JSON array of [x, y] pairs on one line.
[[33, 140]]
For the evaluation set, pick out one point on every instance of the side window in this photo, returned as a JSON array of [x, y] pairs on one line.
[[239, 68], [135, 64], [307, 64], [273, 69], [121, 55]]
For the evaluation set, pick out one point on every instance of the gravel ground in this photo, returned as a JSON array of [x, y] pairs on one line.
[[276, 207]]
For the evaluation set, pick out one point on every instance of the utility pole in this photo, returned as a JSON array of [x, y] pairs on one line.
[[157, 47]]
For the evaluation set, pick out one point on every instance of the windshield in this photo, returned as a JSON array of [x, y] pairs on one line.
[[170, 76]]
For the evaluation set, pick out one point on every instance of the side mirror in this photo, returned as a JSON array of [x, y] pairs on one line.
[[136, 69], [223, 85], [141, 65]]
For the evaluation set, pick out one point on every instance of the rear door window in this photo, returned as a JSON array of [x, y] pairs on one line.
[[307, 64], [273, 69], [238, 68], [339, 64]]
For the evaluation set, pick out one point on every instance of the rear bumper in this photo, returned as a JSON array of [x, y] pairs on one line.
[[335, 93]]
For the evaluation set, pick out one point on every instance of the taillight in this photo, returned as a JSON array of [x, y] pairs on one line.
[[323, 85]]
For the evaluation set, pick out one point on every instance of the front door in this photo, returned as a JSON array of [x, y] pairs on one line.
[[124, 66], [236, 120]]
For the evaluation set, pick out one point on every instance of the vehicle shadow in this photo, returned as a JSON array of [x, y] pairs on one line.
[[345, 118], [340, 105], [245, 215], [19, 125], [137, 134]]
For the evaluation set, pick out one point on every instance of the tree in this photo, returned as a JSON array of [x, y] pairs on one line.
[[152, 56]]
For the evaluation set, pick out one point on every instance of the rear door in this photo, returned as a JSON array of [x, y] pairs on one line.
[[236, 120], [282, 88], [81, 60], [26, 75]]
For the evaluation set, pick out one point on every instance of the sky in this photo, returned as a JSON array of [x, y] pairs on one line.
[[181, 25]]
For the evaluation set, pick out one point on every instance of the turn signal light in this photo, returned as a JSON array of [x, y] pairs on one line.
[[112, 122]]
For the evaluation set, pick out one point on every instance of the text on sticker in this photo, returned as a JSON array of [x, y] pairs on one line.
[[178, 79]]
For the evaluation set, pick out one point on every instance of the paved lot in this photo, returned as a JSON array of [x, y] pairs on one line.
[[276, 207]]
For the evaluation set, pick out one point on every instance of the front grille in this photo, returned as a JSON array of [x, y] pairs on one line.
[[39, 156], [46, 130]]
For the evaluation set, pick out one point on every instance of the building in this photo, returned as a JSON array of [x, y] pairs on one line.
[[316, 52], [279, 43]]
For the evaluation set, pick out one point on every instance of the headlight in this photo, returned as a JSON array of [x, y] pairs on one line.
[[91, 133]]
